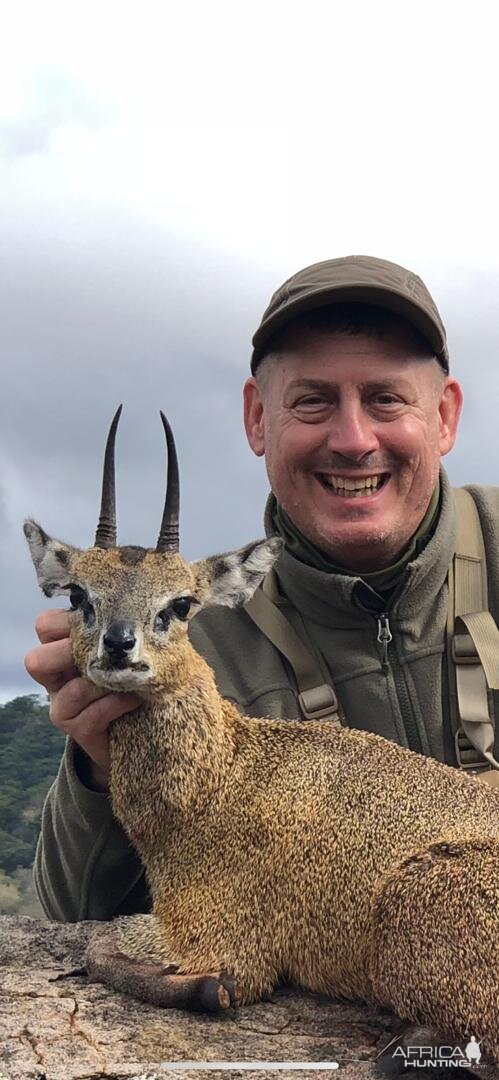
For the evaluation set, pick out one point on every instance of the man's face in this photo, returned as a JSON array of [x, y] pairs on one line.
[[334, 409]]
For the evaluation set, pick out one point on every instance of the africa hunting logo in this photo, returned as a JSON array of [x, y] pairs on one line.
[[438, 1057]]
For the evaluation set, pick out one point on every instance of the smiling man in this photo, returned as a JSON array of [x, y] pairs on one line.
[[352, 405], [352, 412]]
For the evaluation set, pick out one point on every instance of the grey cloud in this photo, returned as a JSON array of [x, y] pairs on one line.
[[22, 137], [130, 318], [473, 325], [58, 99]]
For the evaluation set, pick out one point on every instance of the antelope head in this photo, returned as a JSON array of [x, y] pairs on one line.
[[130, 606]]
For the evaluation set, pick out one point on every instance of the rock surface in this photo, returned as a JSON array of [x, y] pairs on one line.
[[57, 1025]]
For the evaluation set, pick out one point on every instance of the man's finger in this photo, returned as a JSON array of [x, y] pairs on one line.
[[96, 718], [52, 625], [73, 697], [50, 664]]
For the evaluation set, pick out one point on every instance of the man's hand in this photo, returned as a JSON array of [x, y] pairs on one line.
[[76, 706]]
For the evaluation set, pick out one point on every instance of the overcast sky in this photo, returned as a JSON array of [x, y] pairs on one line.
[[163, 168]]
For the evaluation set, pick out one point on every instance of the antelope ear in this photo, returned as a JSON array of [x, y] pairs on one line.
[[52, 560], [231, 579]]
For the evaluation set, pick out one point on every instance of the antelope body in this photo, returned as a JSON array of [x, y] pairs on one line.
[[273, 849]]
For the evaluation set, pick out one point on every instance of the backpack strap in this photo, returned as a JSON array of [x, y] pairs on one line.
[[472, 647], [317, 698]]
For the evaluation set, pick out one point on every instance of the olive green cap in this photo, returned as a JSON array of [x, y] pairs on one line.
[[360, 278]]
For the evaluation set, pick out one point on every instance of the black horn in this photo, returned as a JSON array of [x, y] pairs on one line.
[[168, 539], [105, 536]]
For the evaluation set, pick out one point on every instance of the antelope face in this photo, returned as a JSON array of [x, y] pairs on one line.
[[131, 605], [141, 619]]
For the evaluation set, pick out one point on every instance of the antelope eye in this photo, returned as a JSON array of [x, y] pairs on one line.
[[182, 606], [77, 597], [79, 601], [179, 607]]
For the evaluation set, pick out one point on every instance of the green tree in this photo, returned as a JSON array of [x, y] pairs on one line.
[[10, 895], [30, 751]]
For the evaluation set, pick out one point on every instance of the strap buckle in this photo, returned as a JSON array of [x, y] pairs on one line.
[[463, 649], [468, 757], [318, 702]]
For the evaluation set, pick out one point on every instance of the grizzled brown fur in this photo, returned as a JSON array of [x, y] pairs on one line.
[[274, 849], [334, 858]]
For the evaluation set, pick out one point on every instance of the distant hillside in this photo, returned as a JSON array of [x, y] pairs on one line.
[[30, 751]]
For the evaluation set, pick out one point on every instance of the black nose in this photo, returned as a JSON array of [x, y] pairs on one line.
[[119, 638]]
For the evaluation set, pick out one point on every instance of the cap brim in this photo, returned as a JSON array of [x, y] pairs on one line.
[[345, 294]]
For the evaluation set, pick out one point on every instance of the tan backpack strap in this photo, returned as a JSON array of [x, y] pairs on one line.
[[316, 698], [484, 636], [472, 644]]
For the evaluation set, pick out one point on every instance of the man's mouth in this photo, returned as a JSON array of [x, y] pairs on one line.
[[349, 487]]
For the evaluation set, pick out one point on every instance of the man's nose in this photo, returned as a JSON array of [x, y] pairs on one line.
[[119, 638], [352, 432]]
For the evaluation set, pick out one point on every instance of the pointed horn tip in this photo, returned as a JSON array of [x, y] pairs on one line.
[[170, 438], [112, 427], [105, 536], [168, 539], [117, 415]]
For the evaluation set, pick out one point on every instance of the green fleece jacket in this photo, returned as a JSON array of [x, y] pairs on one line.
[[85, 866]]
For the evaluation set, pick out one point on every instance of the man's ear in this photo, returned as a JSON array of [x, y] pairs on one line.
[[52, 560], [450, 405], [231, 579]]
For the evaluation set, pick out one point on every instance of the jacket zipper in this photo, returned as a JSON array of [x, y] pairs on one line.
[[385, 636]]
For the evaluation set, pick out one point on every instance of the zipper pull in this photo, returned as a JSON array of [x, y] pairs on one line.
[[384, 638]]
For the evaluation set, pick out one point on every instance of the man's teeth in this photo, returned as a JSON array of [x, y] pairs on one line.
[[353, 488]]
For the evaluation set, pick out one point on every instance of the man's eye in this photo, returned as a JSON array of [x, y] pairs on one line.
[[313, 401], [311, 406], [181, 606], [386, 399]]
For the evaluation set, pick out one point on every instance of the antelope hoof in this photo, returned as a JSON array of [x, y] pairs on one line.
[[216, 992]]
